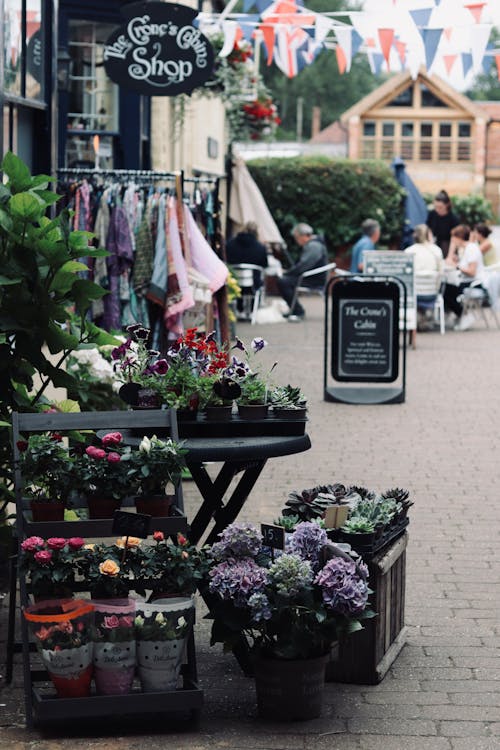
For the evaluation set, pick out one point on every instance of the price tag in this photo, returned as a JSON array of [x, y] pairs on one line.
[[131, 524], [274, 536], [336, 516]]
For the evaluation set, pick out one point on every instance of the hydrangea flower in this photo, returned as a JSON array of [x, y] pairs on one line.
[[290, 574], [260, 607], [237, 580], [344, 586], [307, 541], [238, 540]]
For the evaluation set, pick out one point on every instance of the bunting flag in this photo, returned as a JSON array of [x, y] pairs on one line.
[[230, 29], [344, 38], [401, 50], [449, 61], [476, 9], [386, 38], [479, 37], [421, 17], [248, 5], [269, 34], [341, 59], [431, 39], [448, 32], [466, 62], [322, 27]]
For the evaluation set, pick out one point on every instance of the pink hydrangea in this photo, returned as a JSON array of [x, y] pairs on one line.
[[76, 543], [112, 438], [56, 543], [114, 458], [44, 556], [32, 543]]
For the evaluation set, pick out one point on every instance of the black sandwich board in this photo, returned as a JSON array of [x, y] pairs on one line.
[[362, 318]]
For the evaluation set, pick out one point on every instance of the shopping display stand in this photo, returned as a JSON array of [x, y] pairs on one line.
[[41, 702]]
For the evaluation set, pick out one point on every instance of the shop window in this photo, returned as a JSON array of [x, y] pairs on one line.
[[369, 128], [445, 130], [93, 98], [464, 151], [429, 99], [404, 99], [426, 130], [426, 151], [12, 50], [388, 129], [407, 129]]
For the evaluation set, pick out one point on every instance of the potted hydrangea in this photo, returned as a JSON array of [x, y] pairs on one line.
[[291, 609]]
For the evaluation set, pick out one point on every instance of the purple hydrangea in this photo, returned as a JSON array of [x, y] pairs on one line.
[[343, 585], [237, 541], [260, 607], [290, 575], [307, 541], [237, 580]]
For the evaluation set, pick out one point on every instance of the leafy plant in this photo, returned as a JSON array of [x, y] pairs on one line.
[[51, 564], [253, 390], [287, 397], [157, 463], [472, 209], [48, 468], [171, 568]]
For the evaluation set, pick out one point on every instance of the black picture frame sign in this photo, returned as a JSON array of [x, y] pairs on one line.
[[158, 51], [131, 524], [365, 332]]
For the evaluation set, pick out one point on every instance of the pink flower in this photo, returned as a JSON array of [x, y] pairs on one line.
[[76, 543], [65, 627], [158, 536], [111, 622], [56, 543], [126, 622], [32, 543], [94, 452], [114, 458], [112, 438], [44, 556], [43, 633]]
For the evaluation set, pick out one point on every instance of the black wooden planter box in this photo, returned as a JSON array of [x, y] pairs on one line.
[[365, 656]]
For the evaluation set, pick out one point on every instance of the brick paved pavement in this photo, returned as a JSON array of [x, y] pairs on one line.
[[443, 692]]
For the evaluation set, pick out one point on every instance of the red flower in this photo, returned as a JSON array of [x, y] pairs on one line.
[[112, 438], [22, 445], [114, 458], [94, 452], [56, 542], [181, 539], [56, 437], [76, 543], [158, 536], [32, 543], [44, 556]]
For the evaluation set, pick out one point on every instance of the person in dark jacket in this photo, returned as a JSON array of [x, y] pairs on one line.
[[441, 220], [246, 248], [314, 255]]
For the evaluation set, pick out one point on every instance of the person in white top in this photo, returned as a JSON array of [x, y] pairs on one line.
[[428, 256], [465, 257]]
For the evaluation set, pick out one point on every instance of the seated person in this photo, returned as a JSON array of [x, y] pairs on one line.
[[371, 235], [481, 235], [465, 257], [428, 256], [314, 255], [246, 248]]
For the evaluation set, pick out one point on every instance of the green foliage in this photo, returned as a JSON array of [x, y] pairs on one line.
[[333, 196], [472, 209], [40, 259], [486, 86], [253, 390]]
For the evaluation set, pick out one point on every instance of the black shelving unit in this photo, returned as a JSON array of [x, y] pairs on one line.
[[41, 702]]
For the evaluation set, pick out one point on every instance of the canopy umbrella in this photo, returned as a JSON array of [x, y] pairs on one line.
[[246, 203], [415, 207]]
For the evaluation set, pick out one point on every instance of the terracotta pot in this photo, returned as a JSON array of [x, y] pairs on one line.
[[43, 511], [253, 411], [154, 505], [289, 690], [218, 413], [102, 507]]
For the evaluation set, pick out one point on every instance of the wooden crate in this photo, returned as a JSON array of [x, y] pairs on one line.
[[365, 656]]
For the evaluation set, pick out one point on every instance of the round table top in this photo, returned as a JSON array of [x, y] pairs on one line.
[[244, 448]]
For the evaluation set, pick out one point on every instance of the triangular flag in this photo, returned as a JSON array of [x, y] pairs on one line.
[[341, 59], [356, 42], [449, 61], [479, 37], [487, 60], [466, 62], [248, 5], [344, 38], [378, 61], [401, 50], [269, 33], [431, 38], [370, 42], [248, 26], [386, 38], [477, 10], [322, 27], [263, 4], [448, 32], [421, 17], [229, 29], [497, 60]]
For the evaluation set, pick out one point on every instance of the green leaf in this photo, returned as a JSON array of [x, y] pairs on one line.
[[84, 292], [48, 197], [96, 335], [4, 194], [17, 172], [26, 206], [96, 253], [58, 339], [4, 281], [80, 240], [5, 220]]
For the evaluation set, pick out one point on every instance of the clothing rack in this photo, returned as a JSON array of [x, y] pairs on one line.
[[135, 174]]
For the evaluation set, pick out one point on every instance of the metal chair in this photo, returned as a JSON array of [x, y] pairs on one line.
[[251, 289], [428, 291], [476, 300], [304, 289]]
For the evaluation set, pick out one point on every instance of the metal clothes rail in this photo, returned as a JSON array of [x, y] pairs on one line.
[[135, 174]]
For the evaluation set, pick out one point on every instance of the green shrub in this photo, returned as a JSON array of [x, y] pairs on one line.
[[333, 196], [472, 209]]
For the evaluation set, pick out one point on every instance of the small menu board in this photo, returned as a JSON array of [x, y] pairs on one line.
[[398, 264], [365, 331]]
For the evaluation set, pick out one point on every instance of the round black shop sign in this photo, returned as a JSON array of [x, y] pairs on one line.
[[158, 51]]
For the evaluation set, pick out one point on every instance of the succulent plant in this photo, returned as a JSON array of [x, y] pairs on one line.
[[399, 495]]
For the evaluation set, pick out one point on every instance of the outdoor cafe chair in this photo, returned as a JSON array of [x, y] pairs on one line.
[[302, 288], [250, 280], [428, 291]]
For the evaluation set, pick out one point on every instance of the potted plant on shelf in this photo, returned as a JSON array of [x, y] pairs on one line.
[[253, 401], [114, 653], [47, 467], [158, 468], [105, 475], [217, 393], [171, 569], [51, 565], [141, 369], [109, 570], [291, 610]]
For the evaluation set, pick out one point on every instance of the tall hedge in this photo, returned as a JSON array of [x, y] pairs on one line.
[[334, 196]]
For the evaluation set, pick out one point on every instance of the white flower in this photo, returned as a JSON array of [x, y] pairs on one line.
[[139, 621], [181, 622], [159, 618], [145, 445]]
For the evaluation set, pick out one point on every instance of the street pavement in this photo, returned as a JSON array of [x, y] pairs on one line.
[[443, 691]]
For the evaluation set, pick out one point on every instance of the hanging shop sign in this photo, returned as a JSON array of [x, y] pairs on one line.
[[158, 51], [34, 56]]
